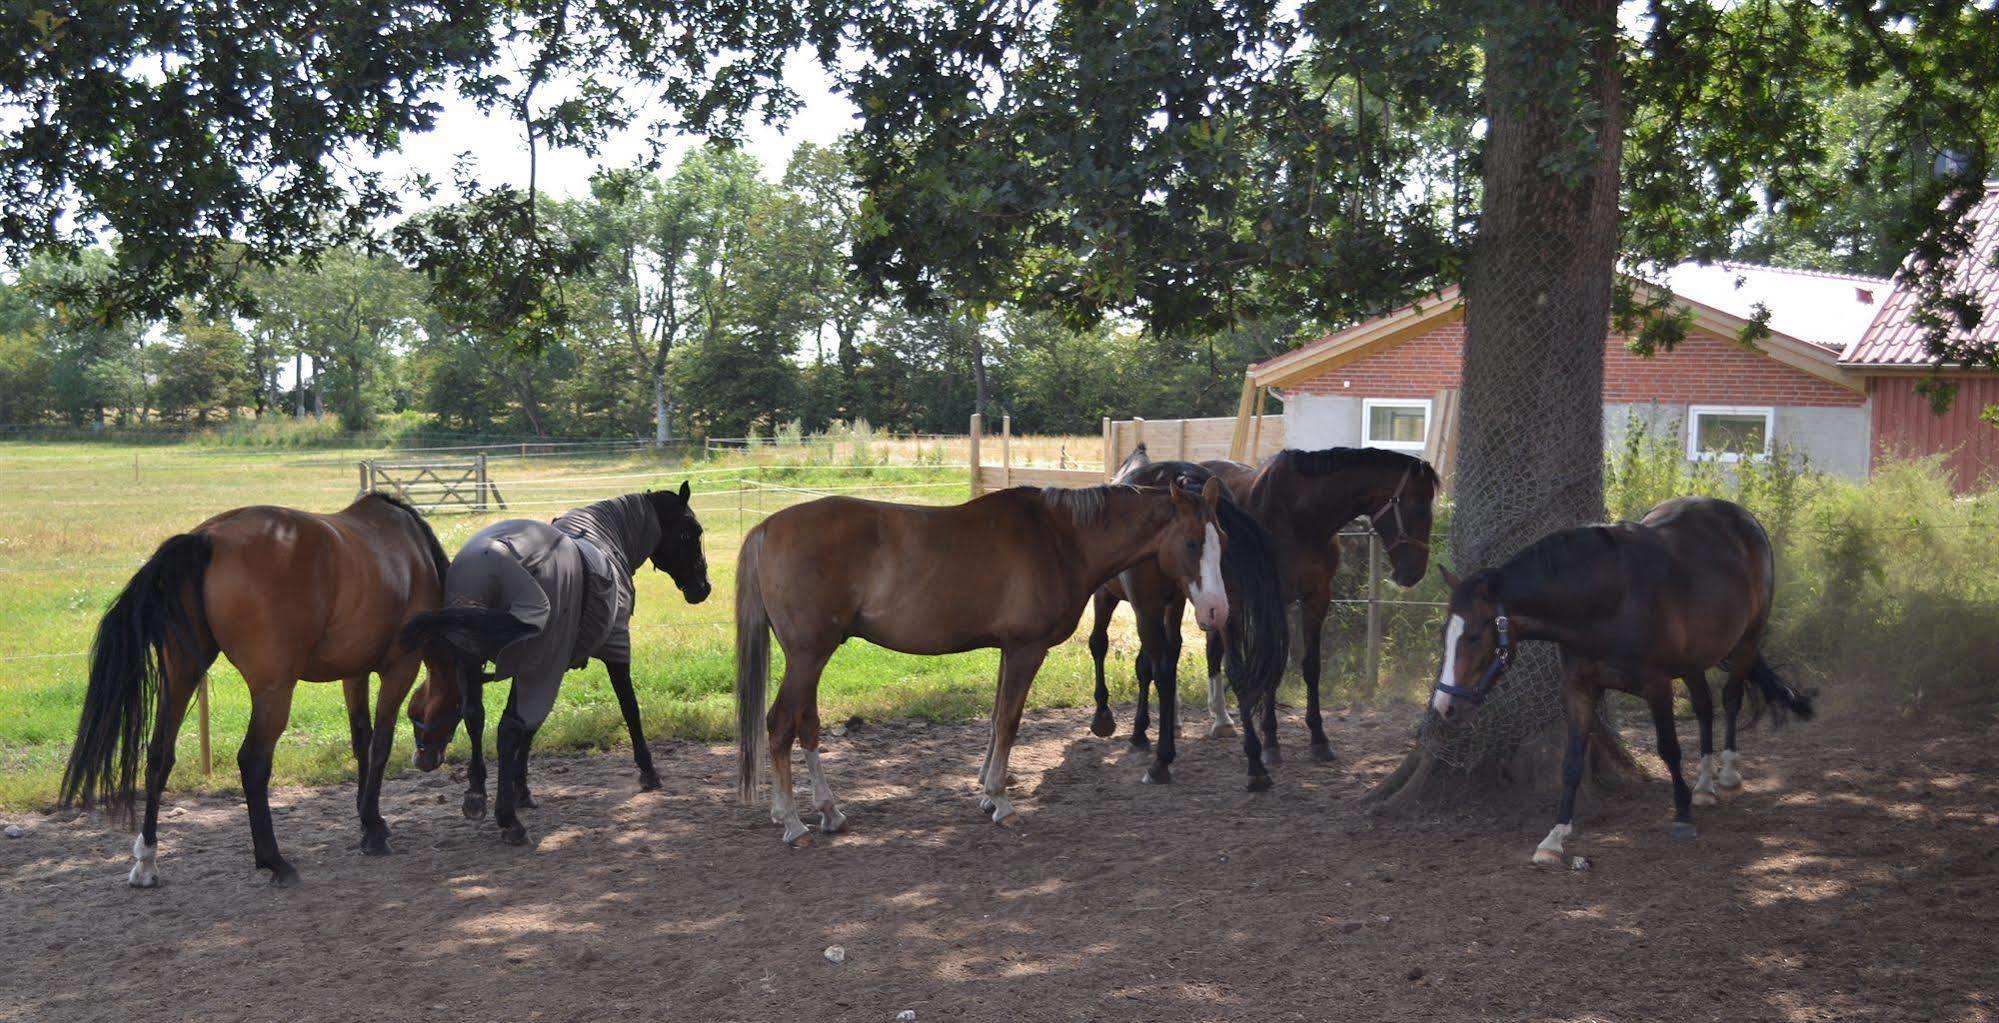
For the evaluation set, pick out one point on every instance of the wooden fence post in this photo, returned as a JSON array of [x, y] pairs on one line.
[[364, 478], [1006, 449], [1373, 614], [972, 455], [480, 488], [1110, 449], [1181, 452], [1256, 432], [741, 530]]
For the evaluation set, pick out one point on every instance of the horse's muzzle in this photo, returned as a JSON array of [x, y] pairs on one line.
[[426, 760], [697, 593]]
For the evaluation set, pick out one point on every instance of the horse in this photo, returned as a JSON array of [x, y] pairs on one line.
[[285, 595], [1254, 580], [1011, 569], [1631, 606], [1302, 498], [540, 599]]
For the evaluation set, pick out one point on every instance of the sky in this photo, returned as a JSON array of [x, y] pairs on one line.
[[500, 148]]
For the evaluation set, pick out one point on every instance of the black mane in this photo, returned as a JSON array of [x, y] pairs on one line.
[[1551, 560], [1331, 460]]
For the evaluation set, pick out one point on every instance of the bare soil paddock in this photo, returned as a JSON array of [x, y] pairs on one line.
[[1852, 879]]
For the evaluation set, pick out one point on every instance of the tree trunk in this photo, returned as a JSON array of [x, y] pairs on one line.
[[662, 430], [1530, 447], [978, 369]]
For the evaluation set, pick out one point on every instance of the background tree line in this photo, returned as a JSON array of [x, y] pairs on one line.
[[710, 300]]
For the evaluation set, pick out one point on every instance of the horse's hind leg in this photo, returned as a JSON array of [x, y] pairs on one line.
[[183, 675], [1312, 622], [1703, 701], [1219, 725], [396, 680], [1659, 695], [1103, 723], [628, 705], [795, 715], [514, 737], [270, 710], [1141, 717], [1730, 776], [1161, 639], [472, 707]]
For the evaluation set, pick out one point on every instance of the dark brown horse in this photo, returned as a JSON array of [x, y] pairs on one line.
[[1258, 635], [1012, 570], [1303, 498], [285, 595], [1632, 606]]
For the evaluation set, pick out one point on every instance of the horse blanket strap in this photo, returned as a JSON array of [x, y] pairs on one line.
[[1502, 658]]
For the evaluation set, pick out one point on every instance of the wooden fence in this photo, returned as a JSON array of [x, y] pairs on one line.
[[435, 486]]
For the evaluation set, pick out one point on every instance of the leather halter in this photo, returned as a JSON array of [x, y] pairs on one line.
[[1479, 691], [1394, 504]]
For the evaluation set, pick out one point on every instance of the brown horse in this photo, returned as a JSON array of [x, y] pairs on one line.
[[1632, 606], [1012, 570], [1303, 498], [285, 595]]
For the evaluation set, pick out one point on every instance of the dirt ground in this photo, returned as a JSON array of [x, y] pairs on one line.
[[1853, 878]]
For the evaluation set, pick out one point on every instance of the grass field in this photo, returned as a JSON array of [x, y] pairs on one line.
[[77, 519]]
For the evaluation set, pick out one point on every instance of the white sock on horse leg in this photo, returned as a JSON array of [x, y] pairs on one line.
[[1731, 776], [1549, 852], [830, 817], [1704, 782], [145, 866], [1218, 708]]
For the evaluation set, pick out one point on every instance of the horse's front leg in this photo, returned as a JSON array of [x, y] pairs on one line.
[[628, 705], [1580, 698], [1219, 725], [472, 707], [1103, 723], [1659, 695]]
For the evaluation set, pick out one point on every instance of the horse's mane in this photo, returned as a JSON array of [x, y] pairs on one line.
[[1546, 561], [1331, 460], [1084, 505], [1138, 459], [437, 554]]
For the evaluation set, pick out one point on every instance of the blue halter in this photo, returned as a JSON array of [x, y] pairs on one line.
[[1482, 689]]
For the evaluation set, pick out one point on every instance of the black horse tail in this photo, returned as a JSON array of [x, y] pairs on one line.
[[478, 633], [752, 665], [1259, 638], [1776, 694], [160, 606]]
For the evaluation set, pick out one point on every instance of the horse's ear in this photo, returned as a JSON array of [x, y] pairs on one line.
[[1178, 490], [685, 490], [1211, 493], [1450, 578]]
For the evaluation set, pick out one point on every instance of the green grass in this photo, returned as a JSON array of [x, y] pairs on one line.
[[77, 519]]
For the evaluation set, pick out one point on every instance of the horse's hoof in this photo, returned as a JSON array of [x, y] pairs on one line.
[[797, 835], [1705, 798], [1220, 730], [1323, 752], [1729, 780], [525, 802], [1547, 858], [1259, 783], [475, 806], [375, 843], [1139, 742], [1103, 725], [283, 875], [648, 781], [1271, 758], [143, 875], [831, 820], [516, 835], [1161, 775], [1007, 819], [1683, 830]]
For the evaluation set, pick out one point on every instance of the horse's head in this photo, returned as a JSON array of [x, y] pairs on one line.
[[1190, 552], [679, 551], [1402, 520], [1478, 644], [434, 715]]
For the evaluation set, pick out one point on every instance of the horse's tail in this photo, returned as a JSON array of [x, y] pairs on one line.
[[752, 666], [479, 633], [161, 605], [1778, 695], [1258, 637]]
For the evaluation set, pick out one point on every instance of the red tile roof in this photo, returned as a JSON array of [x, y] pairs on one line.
[[1896, 339]]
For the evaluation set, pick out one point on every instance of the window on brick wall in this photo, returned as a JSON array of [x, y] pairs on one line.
[[1728, 433], [1399, 424]]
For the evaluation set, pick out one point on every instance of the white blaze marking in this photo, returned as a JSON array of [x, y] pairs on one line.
[[1448, 674], [1210, 598]]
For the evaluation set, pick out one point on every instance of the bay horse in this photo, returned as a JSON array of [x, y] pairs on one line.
[[540, 599], [1253, 577], [1632, 606], [1303, 499], [1011, 569], [285, 595]]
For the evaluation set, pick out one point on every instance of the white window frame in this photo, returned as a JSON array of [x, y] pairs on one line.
[[1694, 414], [1367, 407]]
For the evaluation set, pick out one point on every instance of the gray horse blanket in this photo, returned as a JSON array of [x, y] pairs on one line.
[[571, 580]]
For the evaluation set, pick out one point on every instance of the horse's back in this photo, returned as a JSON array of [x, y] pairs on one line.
[[1724, 565]]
